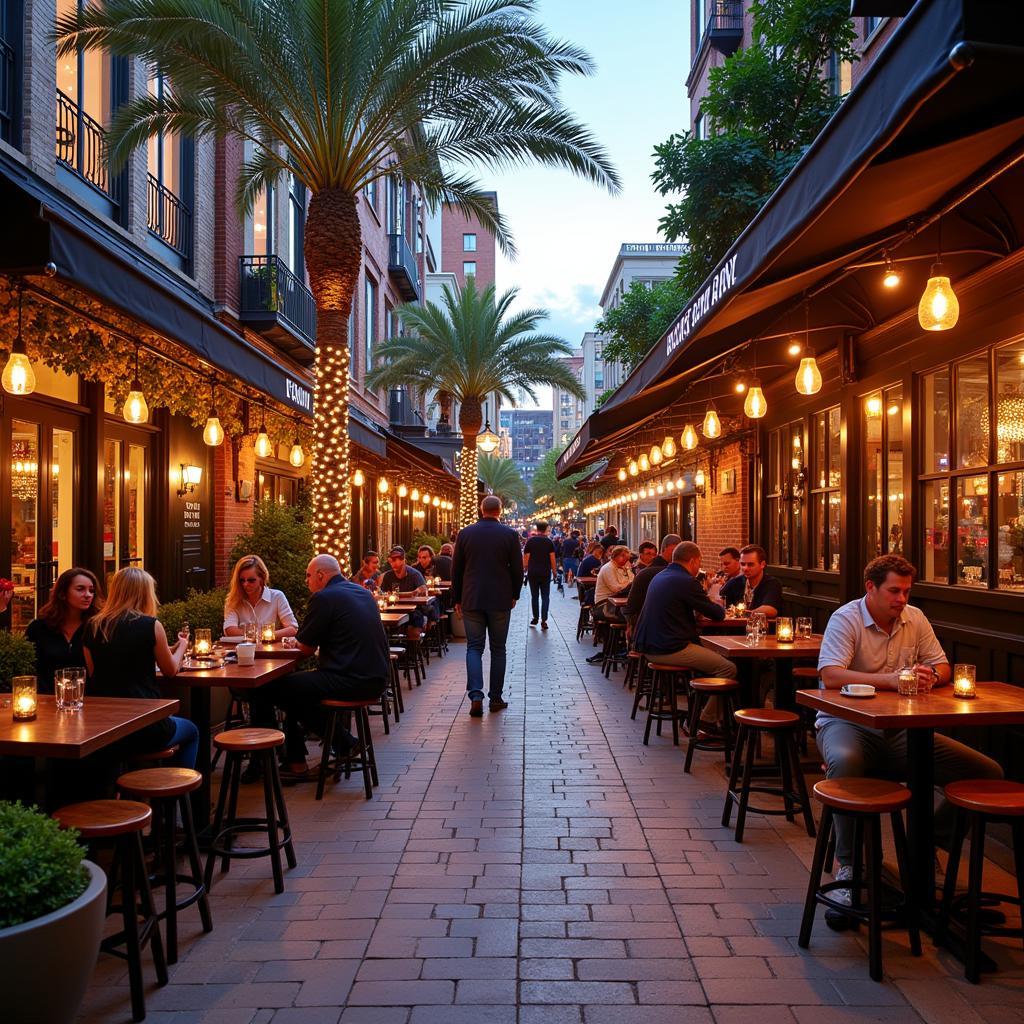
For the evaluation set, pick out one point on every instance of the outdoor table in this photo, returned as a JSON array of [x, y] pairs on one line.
[[619, 602], [201, 682], [768, 647], [272, 650], [587, 581], [65, 734], [707, 627], [393, 618], [996, 704]]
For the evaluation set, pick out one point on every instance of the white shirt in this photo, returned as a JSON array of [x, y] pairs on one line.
[[272, 607], [610, 580]]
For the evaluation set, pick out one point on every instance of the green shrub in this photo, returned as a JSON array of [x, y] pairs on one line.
[[17, 658], [40, 865], [282, 535], [201, 610], [419, 539]]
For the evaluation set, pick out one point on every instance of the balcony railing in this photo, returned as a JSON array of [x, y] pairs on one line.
[[81, 147], [168, 218], [7, 91], [270, 293], [725, 25], [402, 266]]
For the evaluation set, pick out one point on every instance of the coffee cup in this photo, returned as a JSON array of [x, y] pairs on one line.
[[246, 653], [860, 689]]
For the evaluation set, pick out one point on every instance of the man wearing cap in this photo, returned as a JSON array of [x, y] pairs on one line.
[[487, 576], [406, 580]]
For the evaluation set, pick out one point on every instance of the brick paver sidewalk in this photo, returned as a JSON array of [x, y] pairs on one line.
[[538, 866]]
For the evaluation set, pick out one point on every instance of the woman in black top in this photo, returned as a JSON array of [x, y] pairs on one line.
[[124, 645], [57, 631]]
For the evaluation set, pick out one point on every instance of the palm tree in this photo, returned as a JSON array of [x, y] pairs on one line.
[[472, 348], [341, 93], [502, 477]]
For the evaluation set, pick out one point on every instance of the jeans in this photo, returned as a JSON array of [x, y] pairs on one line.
[[701, 659], [481, 625], [186, 739], [540, 587], [853, 750], [571, 565]]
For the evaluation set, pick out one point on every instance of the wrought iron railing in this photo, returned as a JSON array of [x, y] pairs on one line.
[[7, 91], [168, 217], [267, 285], [81, 146], [401, 257], [725, 16]]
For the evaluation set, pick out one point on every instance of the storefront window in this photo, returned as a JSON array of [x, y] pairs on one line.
[[24, 521], [935, 508], [935, 421], [972, 418], [972, 531], [1010, 403], [784, 497], [1010, 523], [883, 470], [825, 479]]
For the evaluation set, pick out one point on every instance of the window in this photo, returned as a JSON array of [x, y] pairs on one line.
[[840, 75], [469, 243], [972, 482], [700, 16], [871, 22], [296, 223], [599, 376], [784, 498], [371, 193], [261, 224], [700, 128], [469, 269], [826, 477], [370, 322], [396, 205], [883, 473], [11, 43], [168, 207]]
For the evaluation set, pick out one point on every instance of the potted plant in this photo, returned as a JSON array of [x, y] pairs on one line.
[[52, 907], [17, 658]]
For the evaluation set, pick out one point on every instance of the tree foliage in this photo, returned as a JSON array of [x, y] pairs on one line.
[[502, 477], [765, 104], [547, 485], [639, 320]]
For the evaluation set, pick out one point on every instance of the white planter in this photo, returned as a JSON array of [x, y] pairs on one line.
[[46, 963]]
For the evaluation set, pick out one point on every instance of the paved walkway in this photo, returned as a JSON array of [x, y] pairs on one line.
[[539, 866]]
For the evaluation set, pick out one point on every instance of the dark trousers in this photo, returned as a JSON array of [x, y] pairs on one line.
[[299, 696], [540, 594]]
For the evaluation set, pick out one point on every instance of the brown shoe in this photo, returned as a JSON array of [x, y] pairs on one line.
[[476, 709], [498, 705]]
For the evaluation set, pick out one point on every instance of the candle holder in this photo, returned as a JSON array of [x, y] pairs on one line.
[[964, 682], [24, 698], [393, 597], [267, 633], [740, 608], [784, 630], [204, 643]]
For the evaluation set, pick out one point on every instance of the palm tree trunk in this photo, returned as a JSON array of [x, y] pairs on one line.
[[470, 422], [333, 250]]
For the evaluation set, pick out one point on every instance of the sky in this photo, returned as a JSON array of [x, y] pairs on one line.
[[567, 230]]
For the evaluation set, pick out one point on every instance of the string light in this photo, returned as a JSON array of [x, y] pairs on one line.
[[18, 377], [415, 495], [264, 449], [644, 463], [297, 456], [688, 439], [332, 492], [634, 469], [622, 475], [795, 348], [891, 276], [939, 308], [213, 432], [383, 486], [712, 427], [656, 455], [754, 405], [668, 447], [808, 376], [358, 479], [402, 490], [135, 408]]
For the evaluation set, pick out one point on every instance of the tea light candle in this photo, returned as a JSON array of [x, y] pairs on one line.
[[964, 678], [204, 642], [267, 633], [23, 698], [784, 630], [392, 598], [740, 608]]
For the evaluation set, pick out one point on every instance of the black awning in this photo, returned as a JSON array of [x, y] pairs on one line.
[[942, 104], [421, 458], [41, 227], [367, 434]]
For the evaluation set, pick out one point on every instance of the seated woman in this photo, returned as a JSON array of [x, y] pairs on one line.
[[251, 599], [124, 644], [57, 631]]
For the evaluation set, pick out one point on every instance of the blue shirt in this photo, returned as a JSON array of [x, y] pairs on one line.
[[667, 621]]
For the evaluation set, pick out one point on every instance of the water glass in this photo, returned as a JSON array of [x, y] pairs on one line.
[[69, 688], [250, 632], [753, 630], [907, 682], [804, 627]]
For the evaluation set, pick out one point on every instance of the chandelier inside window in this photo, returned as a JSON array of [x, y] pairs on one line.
[[24, 471]]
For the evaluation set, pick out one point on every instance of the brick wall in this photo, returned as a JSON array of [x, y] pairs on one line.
[[228, 232], [231, 516], [722, 518], [454, 224]]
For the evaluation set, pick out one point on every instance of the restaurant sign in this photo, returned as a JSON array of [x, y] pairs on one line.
[[570, 451], [716, 289]]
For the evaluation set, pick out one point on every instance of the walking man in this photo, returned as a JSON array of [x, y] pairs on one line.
[[539, 566], [487, 576]]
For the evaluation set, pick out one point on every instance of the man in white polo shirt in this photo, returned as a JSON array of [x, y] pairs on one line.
[[865, 641]]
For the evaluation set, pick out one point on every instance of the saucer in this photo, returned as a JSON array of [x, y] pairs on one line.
[[855, 696]]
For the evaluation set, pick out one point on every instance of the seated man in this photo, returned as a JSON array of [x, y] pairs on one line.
[[342, 627], [864, 642], [406, 580], [760, 593], [426, 561], [570, 556], [667, 630], [646, 554], [368, 574], [443, 562], [729, 565], [638, 591], [592, 563]]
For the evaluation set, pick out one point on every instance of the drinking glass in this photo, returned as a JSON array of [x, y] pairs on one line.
[[69, 688], [250, 632], [804, 627], [753, 630]]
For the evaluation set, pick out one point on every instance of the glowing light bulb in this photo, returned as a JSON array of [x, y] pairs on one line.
[[660, 488], [680, 483], [740, 386], [19, 378], [213, 432], [755, 405], [699, 480], [688, 439], [668, 447], [383, 485], [263, 448], [402, 490], [633, 467], [297, 456], [656, 455], [795, 348], [622, 475], [426, 498], [358, 479], [938, 309], [808, 376], [644, 462], [436, 501], [712, 424], [891, 276], [670, 485], [415, 494], [873, 407], [135, 409]]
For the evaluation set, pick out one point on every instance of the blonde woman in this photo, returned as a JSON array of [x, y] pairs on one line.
[[251, 599], [124, 644]]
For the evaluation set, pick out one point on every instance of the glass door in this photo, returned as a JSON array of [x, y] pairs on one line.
[[125, 475]]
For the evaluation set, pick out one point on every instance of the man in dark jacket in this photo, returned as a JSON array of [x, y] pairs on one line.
[[643, 578], [487, 575]]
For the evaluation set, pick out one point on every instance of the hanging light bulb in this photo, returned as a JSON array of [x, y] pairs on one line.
[[382, 485], [939, 308], [622, 474], [643, 492], [633, 467], [808, 376], [891, 276], [680, 483], [264, 449], [436, 501], [18, 377], [426, 498], [660, 488], [712, 424], [213, 432], [656, 455], [358, 479], [670, 485], [135, 409], [644, 462], [754, 405], [668, 447], [296, 456], [740, 386], [689, 439], [415, 495], [699, 480], [402, 490], [794, 348]]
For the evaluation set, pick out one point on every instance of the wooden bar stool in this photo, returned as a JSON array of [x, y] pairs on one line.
[[167, 789], [584, 624], [864, 800], [977, 802], [365, 762], [662, 702], [122, 822], [701, 691], [395, 688], [782, 725], [236, 744], [614, 644], [644, 682], [634, 668]]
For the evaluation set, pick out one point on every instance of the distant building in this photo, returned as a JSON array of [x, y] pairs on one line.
[[531, 432], [569, 411], [467, 247]]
